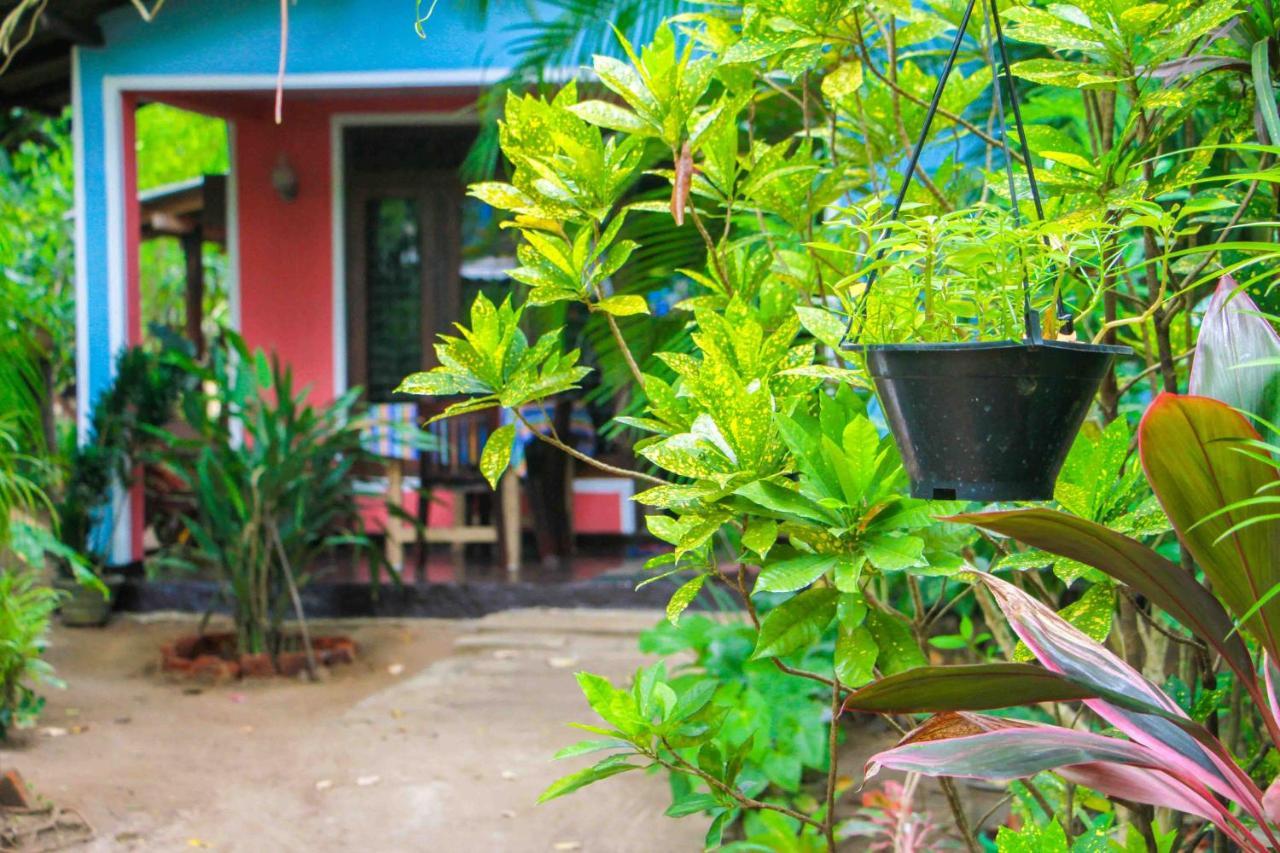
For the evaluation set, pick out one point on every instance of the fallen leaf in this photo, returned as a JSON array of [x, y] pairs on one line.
[[395, 669], [238, 698], [53, 731], [73, 712], [396, 713], [568, 845], [504, 654], [196, 842], [562, 662], [508, 774], [508, 813], [324, 784], [366, 781]]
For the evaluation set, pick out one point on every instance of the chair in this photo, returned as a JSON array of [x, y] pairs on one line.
[[453, 467]]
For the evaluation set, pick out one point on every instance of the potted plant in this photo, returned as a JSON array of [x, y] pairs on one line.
[[988, 395], [271, 483], [142, 397]]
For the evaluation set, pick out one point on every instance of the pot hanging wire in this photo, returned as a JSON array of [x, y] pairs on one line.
[[991, 18]]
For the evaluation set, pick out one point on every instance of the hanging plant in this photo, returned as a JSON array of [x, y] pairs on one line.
[[988, 395]]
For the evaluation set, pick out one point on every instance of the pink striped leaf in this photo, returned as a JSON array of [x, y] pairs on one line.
[[1132, 703], [1236, 354], [995, 749]]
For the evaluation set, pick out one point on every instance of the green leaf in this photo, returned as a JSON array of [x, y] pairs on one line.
[[898, 648], [692, 804], [1033, 838], [584, 747], [1057, 72], [611, 116], [848, 572], [760, 535], [611, 766], [788, 503], [497, 453], [855, 656], [844, 80], [614, 706], [894, 553], [796, 623], [683, 597], [792, 573], [974, 687], [501, 196], [623, 306], [1263, 90], [823, 324]]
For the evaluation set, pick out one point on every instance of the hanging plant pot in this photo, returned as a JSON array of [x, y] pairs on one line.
[[986, 421]]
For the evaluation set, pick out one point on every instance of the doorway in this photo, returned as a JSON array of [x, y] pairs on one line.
[[403, 247]]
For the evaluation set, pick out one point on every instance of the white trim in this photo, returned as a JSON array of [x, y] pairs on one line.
[[338, 122], [406, 79], [338, 256], [117, 291], [83, 399], [233, 227]]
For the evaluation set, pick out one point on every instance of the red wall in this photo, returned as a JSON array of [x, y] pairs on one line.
[[286, 269], [286, 252]]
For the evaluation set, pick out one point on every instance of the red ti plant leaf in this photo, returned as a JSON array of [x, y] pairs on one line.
[[1165, 584], [1194, 452], [998, 749], [1237, 352], [976, 687], [1133, 704]]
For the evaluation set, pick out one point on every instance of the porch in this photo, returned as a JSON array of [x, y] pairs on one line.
[[349, 245]]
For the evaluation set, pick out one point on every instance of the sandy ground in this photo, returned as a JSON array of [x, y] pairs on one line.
[[449, 754], [438, 738]]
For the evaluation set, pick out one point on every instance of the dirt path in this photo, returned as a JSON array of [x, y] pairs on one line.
[[447, 755]]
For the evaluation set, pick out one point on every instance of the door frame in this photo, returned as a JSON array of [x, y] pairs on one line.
[[338, 123]]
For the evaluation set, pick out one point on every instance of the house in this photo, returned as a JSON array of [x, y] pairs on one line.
[[342, 223]]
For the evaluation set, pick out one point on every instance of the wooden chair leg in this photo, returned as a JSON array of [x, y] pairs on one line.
[[395, 533], [510, 516], [424, 515], [457, 549]]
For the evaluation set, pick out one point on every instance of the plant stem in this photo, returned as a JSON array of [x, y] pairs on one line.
[[297, 605], [626, 350], [948, 786], [680, 765], [582, 457], [829, 820]]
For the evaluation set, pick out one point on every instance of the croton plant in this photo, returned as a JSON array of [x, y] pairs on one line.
[[707, 207]]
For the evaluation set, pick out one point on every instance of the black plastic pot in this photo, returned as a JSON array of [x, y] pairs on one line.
[[986, 421]]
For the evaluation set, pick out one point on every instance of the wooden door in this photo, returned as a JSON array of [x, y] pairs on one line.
[[403, 251]]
